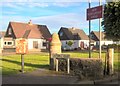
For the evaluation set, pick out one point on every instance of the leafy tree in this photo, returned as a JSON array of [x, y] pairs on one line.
[[111, 20]]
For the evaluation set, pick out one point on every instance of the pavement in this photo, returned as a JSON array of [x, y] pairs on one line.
[[43, 76]]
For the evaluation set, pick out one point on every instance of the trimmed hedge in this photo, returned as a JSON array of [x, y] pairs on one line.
[[84, 68], [115, 46]]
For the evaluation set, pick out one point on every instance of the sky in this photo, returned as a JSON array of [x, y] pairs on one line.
[[53, 13]]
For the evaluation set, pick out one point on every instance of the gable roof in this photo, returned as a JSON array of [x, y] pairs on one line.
[[96, 34], [29, 30], [73, 34], [2, 34]]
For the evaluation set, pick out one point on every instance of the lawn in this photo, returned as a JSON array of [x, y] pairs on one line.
[[11, 64]]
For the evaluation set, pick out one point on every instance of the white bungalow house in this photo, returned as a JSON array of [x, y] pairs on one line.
[[76, 37], [104, 41], [36, 35]]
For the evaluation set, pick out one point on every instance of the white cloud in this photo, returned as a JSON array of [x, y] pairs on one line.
[[37, 4], [63, 4], [52, 0], [12, 5], [65, 20], [53, 22], [6, 19], [21, 5], [10, 12]]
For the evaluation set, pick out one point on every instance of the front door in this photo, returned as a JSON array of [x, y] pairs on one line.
[[35, 44]]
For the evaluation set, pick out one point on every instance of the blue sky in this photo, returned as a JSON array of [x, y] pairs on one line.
[[54, 14]]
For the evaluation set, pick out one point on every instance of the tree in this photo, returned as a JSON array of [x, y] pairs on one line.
[[111, 20]]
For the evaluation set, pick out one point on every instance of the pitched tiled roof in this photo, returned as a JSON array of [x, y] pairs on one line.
[[30, 30], [97, 38], [74, 34], [81, 33]]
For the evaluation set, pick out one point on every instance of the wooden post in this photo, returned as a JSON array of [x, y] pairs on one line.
[[105, 65], [110, 62], [57, 65], [22, 63], [68, 65]]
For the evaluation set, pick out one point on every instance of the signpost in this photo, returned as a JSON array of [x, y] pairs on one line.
[[21, 48], [95, 13]]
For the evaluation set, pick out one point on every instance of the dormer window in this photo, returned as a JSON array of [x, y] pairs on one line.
[[75, 35], [61, 33], [9, 31]]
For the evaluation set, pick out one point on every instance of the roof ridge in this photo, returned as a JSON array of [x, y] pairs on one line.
[[25, 23]]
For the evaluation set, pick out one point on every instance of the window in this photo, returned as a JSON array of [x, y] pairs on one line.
[[61, 33], [9, 31], [5, 43], [44, 43], [92, 36], [9, 43], [75, 35], [35, 44]]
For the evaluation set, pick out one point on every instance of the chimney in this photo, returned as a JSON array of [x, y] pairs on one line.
[[73, 28], [30, 22]]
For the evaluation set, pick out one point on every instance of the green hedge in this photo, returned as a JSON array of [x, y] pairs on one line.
[[84, 68], [115, 46]]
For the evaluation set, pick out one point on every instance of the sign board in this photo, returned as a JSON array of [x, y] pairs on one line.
[[94, 13], [21, 46]]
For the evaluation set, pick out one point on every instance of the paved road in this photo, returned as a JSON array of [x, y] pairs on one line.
[[43, 76], [39, 77]]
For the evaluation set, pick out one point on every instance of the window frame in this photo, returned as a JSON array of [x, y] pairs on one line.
[[44, 44], [6, 43], [9, 31]]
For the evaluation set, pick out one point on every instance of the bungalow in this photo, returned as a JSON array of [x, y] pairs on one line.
[[36, 35], [104, 41], [2, 33], [73, 38]]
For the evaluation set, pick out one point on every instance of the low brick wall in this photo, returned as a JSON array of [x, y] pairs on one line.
[[84, 68]]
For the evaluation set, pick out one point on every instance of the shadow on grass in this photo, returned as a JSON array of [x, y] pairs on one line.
[[27, 64]]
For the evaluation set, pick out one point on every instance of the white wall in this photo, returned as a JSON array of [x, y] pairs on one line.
[[76, 43], [86, 43], [40, 43], [116, 42], [105, 42], [1, 43]]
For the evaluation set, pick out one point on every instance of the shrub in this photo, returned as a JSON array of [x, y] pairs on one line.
[[115, 46], [84, 68], [69, 43]]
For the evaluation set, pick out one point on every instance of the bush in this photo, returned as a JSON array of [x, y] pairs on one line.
[[84, 68], [115, 46], [69, 43]]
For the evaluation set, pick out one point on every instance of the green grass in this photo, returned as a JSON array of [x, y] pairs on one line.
[[11, 64]]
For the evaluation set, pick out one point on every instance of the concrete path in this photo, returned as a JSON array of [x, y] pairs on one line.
[[43, 76], [40, 76]]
